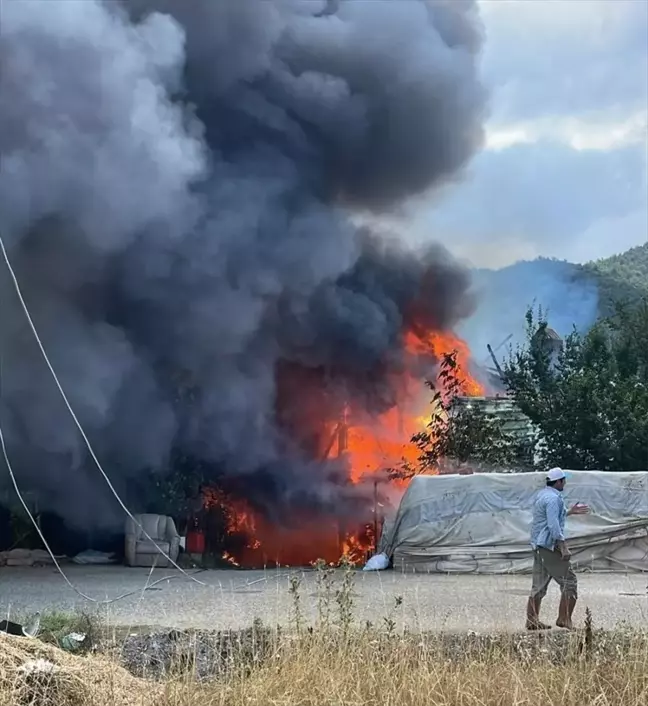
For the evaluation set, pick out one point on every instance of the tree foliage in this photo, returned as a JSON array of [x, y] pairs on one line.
[[622, 277], [460, 436], [589, 400]]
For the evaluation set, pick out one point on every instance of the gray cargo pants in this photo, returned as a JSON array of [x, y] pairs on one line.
[[549, 565]]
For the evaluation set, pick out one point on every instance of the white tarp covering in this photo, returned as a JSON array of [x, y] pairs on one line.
[[480, 523]]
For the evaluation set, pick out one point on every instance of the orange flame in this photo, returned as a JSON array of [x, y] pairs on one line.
[[374, 445], [369, 446]]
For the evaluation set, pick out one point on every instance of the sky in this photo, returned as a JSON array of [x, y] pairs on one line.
[[563, 171]]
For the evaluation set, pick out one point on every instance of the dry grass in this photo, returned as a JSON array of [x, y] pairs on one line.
[[412, 672], [33, 673], [361, 667]]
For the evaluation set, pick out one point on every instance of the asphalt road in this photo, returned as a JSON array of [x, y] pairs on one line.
[[233, 599]]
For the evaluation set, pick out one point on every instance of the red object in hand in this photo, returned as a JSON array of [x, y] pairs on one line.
[[195, 542]]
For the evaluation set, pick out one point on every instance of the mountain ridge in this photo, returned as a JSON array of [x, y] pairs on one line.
[[570, 295]]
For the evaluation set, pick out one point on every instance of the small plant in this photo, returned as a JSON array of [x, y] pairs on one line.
[[325, 582], [389, 619], [56, 627], [295, 585], [344, 595], [588, 640]]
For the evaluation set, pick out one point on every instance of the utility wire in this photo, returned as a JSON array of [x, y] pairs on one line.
[[51, 553], [78, 424]]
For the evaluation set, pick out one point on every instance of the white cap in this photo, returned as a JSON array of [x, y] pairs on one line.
[[556, 474]]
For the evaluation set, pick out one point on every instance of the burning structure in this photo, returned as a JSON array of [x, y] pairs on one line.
[[179, 189]]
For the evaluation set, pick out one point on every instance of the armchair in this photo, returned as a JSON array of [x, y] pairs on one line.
[[140, 551]]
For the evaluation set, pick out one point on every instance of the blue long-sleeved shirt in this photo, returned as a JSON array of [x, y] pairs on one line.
[[549, 515]]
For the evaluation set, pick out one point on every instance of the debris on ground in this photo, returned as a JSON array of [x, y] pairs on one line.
[[25, 558], [28, 629], [91, 557], [11, 628], [74, 642]]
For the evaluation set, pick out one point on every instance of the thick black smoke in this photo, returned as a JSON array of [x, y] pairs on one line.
[[177, 187]]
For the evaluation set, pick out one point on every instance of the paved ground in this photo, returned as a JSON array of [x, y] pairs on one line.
[[232, 599]]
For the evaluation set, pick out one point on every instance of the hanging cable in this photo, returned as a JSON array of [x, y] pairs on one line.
[[76, 421], [14, 482]]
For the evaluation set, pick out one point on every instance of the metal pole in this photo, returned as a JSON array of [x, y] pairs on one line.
[[375, 517]]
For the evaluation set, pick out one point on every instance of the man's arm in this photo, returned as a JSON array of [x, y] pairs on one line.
[[552, 509]]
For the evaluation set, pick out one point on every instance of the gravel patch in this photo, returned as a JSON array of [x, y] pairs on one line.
[[199, 654], [207, 655]]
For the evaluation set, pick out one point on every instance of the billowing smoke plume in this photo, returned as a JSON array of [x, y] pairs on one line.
[[176, 187]]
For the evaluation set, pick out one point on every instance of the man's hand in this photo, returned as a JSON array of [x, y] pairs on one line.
[[578, 509], [564, 552]]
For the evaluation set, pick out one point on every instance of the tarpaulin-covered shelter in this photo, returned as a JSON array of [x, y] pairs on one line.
[[480, 523]]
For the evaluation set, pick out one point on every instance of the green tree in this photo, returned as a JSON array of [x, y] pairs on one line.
[[460, 436], [588, 400]]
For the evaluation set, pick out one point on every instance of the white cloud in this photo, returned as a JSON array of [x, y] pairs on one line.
[[540, 198], [563, 173], [595, 18], [599, 132], [561, 57]]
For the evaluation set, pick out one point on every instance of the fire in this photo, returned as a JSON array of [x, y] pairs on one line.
[[239, 518], [383, 443], [368, 445], [439, 344]]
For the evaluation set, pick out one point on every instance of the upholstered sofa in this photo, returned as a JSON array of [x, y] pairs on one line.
[[141, 551]]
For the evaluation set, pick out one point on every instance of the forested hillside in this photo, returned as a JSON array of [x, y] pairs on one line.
[[621, 277]]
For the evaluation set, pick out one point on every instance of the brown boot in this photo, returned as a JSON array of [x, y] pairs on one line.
[[533, 611], [565, 611]]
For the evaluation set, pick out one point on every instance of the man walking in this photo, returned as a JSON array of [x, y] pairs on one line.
[[551, 557]]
